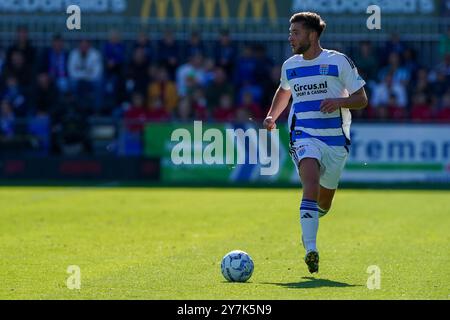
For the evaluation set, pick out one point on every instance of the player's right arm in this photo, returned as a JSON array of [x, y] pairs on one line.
[[279, 103]]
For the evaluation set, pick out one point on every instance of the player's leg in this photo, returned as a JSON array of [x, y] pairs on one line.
[[334, 159], [307, 158], [325, 200], [309, 169]]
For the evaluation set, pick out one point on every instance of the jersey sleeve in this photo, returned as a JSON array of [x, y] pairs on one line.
[[349, 75], [284, 83]]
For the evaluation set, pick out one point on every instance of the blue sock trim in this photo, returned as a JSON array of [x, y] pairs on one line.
[[310, 201], [309, 205]]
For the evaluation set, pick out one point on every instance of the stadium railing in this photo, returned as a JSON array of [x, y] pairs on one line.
[[422, 32]]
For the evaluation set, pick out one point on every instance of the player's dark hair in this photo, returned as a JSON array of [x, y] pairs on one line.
[[310, 20]]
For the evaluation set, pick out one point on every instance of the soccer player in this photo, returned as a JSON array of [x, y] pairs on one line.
[[324, 85]]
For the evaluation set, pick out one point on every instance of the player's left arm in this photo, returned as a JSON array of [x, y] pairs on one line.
[[358, 100], [352, 81]]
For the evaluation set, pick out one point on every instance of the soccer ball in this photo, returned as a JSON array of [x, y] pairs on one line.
[[237, 266]]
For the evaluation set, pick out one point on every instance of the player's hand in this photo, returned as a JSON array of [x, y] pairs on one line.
[[330, 105], [269, 124]]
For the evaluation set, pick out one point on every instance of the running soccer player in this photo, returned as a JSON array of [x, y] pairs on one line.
[[324, 85]]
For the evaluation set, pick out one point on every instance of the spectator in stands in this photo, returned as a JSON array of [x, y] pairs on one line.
[[114, 55], [209, 69], [45, 95], [263, 65], [138, 72], [192, 69], [143, 42], [410, 62], [220, 85], [14, 95], [136, 115], [249, 109], [440, 85], [156, 112], [444, 67], [421, 109], [199, 104], [399, 73], [72, 138], [195, 45], [114, 59], [443, 115], [39, 128], [379, 112], [184, 110], [383, 90], [393, 45], [86, 75], [168, 53], [271, 87], [225, 53], [225, 111], [394, 110], [54, 63], [422, 84], [245, 67], [19, 69], [367, 61], [25, 47], [192, 85], [7, 120], [188, 110], [163, 89], [255, 89]]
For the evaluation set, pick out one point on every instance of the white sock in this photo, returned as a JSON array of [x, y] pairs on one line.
[[309, 220]]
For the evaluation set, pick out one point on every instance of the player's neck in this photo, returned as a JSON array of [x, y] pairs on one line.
[[313, 52]]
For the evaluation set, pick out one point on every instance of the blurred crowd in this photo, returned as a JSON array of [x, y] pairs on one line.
[[403, 88], [170, 80]]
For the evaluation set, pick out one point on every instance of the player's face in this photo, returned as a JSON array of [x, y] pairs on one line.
[[299, 38]]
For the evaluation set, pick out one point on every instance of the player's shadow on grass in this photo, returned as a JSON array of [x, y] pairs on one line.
[[315, 283]]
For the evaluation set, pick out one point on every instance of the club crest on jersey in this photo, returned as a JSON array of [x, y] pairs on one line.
[[324, 69]]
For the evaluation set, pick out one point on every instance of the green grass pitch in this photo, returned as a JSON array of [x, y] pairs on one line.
[[167, 243]]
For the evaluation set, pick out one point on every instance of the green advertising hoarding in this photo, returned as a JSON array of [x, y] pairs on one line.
[[160, 142], [380, 153]]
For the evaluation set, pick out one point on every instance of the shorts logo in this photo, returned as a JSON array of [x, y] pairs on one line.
[[323, 70], [301, 151]]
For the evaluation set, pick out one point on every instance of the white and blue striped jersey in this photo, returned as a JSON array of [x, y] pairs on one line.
[[330, 75]]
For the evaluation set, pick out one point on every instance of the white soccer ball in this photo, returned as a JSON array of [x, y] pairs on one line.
[[237, 266]]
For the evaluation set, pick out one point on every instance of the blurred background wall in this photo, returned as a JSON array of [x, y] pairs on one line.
[[101, 102]]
